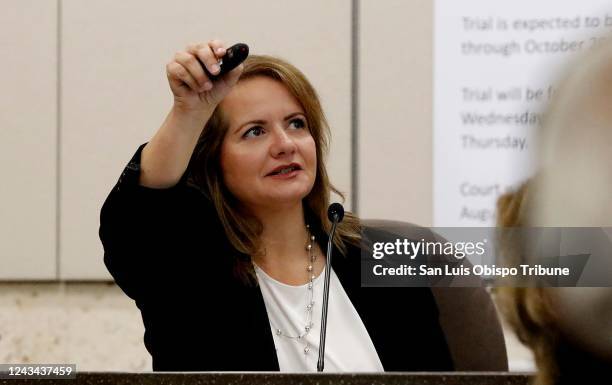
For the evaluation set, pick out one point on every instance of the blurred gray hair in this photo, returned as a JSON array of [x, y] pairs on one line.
[[574, 187]]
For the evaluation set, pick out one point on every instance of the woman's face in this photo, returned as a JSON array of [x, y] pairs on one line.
[[268, 156]]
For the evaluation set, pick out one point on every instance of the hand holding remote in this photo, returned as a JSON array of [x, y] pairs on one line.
[[203, 74], [234, 55]]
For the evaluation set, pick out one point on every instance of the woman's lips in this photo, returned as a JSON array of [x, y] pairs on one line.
[[288, 175]]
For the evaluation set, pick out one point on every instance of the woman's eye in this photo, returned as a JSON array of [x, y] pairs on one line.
[[298, 123], [253, 131]]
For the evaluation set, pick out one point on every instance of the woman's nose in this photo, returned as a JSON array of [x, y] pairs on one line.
[[282, 143]]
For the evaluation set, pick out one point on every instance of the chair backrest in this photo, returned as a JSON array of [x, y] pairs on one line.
[[468, 315]]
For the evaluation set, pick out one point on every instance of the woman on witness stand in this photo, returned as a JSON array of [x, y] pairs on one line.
[[218, 230]]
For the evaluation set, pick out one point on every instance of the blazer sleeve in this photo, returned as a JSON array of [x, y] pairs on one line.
[[140, 229]]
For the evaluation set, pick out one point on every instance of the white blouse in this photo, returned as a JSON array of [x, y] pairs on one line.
[[348, 347]]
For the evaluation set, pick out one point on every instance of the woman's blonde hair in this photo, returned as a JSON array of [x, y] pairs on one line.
[[242, 230], [527, 310]]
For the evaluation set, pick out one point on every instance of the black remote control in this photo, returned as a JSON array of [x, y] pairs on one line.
[[234, 55]]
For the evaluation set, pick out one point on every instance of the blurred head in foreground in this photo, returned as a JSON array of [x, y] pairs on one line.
[[568, 329]]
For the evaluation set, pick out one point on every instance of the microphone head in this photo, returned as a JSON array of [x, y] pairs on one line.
[[335, 212]]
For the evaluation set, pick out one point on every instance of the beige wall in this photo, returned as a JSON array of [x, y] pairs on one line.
[[81, 97], [395, 110], [113, 95], [93, 325], [28, 132]]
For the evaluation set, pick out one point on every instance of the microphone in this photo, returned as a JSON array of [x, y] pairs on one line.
[[335, 213]]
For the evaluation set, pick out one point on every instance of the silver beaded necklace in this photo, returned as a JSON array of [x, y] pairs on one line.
[[300, 337]]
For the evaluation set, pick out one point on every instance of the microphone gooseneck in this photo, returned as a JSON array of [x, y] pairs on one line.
[[335, 213]]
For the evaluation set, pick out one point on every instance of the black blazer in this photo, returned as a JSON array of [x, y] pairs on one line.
[[167, 250]]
